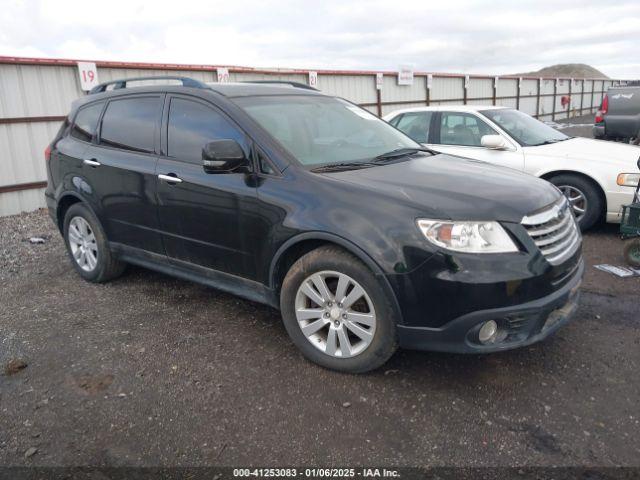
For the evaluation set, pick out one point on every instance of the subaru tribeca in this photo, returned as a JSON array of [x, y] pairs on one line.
[[277, 193]]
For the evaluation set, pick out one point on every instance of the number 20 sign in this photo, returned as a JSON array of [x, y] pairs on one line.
[[88, 75]]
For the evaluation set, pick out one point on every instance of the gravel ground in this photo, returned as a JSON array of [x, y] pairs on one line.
[[576, 126], [150, 370]]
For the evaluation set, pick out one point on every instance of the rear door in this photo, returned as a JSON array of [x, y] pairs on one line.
[[205, 218], [121, 167], [460, 133]]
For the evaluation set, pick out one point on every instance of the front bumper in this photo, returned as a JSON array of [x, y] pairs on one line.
[[518, 325], [615, 200]]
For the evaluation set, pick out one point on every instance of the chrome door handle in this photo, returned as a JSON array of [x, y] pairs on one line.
[[170, 178], [91, 162]]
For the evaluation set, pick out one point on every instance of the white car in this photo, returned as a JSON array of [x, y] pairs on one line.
[[597, 177]]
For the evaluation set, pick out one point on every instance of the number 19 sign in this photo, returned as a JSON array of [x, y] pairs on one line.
[[88, 75]]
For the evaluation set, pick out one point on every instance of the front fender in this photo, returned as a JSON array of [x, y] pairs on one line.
[[326, 237], [347, 245]]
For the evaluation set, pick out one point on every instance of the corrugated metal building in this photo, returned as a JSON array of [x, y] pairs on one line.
[[35, 95]]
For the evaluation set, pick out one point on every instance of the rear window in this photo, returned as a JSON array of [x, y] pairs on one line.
[[131, 123], [86, 122], [415, 125]]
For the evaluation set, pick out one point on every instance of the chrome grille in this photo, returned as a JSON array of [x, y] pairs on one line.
[[554, 231]]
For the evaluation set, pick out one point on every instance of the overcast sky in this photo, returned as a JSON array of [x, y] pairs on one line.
[[496, 37]]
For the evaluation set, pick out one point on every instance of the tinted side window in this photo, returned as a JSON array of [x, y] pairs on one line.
[[130, 123], [192, 125], [86, 122], [416, 125], [463, 129]]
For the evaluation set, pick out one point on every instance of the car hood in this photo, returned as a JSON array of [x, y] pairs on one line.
[[456, 188], [588, 149]]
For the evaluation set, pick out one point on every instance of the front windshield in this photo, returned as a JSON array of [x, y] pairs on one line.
[[324, 130], [524, 129]]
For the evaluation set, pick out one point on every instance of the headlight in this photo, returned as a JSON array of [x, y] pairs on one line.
[[468, 237], [628, 179]]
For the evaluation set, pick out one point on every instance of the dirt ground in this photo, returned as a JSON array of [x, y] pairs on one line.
[[150, 370], [153, 371]]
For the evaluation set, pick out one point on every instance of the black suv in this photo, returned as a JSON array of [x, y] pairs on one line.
[[308, 203]]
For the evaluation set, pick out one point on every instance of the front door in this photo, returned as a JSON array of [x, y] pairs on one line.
[[203, 216], [460, 133]]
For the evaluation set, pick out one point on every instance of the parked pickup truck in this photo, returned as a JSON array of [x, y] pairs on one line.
[[619, 115]]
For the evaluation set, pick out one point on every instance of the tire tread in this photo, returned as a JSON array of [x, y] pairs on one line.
[[596, 205], [334, 257], [109, 267]]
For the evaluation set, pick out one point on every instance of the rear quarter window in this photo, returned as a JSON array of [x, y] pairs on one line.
[[86, 122]]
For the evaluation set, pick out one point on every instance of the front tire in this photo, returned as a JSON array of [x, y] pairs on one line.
[[87, 246], [337, 313], [584, 199]]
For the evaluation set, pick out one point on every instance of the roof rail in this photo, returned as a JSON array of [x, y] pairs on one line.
[[122, 83], [284, 82]]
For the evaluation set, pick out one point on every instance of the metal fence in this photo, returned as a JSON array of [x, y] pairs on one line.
[[35, 96]]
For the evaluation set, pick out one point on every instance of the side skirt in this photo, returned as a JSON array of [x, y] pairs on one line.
[[242, 287]]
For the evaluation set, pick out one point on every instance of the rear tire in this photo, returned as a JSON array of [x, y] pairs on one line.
[[344, 329], [582, 195], [87, 246], [632, 252]]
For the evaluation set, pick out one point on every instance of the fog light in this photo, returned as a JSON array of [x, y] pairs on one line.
[[488, 332]]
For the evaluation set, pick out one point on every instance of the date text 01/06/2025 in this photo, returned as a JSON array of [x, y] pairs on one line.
[[316, 472]]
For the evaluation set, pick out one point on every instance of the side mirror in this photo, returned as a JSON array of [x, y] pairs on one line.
[[224, 156], [493, 142]]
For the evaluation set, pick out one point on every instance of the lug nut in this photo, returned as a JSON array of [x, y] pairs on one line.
[[344, 315], [326, 314]]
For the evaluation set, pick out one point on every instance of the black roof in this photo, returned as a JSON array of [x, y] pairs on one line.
[[229, 90], [250, 89], [258, 87]]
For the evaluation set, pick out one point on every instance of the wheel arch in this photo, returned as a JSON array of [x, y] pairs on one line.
[[554, 173], [294, 248], [64, 203]]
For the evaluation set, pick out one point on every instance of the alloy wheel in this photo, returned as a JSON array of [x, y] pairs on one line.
[[335, 314], [83, 244], [577, 199]]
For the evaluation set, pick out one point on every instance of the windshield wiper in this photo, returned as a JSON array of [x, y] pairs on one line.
[[376, 161], [336, 167], [402, 152], [549, 142]]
